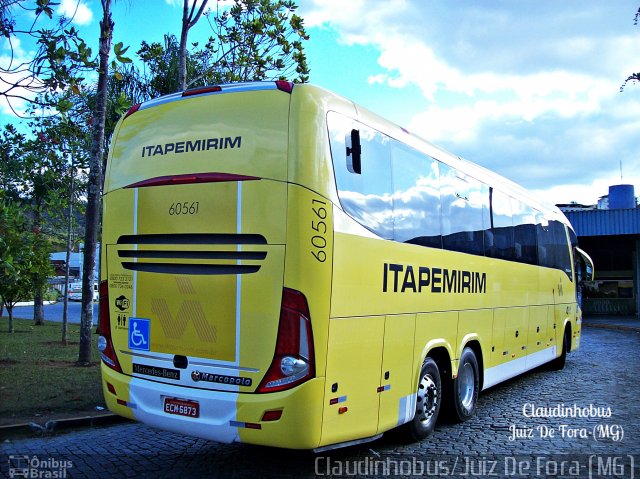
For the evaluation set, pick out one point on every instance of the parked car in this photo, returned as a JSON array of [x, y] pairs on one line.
[[75, 292]]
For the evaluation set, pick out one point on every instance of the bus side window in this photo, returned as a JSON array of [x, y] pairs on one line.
[[499, 240], [464, 201], [365, 189], [524, 232], [416, 197]]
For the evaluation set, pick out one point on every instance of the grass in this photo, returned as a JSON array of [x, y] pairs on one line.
[[38, 375]]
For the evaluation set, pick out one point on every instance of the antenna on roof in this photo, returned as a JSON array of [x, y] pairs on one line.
[[621, 180]]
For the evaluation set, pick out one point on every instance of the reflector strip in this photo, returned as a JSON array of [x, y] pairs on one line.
[[200, 91], [384, 388], [245, 425], [272, 415], [190, 178], [125, 403], [337, 400]]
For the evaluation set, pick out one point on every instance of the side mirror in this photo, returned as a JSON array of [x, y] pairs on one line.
[[588, 262], [354, 152]]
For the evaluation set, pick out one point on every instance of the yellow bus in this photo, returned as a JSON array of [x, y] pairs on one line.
[[283, 267]]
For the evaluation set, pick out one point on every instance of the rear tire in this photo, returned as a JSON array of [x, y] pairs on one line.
[[428, 401], [465, 387], [558, 363]]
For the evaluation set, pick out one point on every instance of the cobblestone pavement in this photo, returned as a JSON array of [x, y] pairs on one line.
[[601, 377]]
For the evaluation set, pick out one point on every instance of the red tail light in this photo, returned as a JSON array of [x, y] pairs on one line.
[[294, 360], [133, 109], [285, 86], [105, 344]]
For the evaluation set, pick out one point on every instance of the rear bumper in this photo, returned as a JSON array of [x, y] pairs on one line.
[[223, 415]]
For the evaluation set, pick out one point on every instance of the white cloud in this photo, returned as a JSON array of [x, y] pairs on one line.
[[585, 194], [532, 82], [14, 57], [76, 9], [408, 58]]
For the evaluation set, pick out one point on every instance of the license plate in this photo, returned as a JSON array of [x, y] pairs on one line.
[[181, 407]]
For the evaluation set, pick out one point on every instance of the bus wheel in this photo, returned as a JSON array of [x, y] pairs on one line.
[[560, 361], [428, 399], [466, 386]]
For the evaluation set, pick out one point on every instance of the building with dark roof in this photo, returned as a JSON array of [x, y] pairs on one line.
[[610, 234]]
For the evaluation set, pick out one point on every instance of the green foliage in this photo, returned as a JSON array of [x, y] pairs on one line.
[[60, 61], [634, 77], [38, 170], [24, 258], [160, 68], [251, 41], [11, 168], [259, 40], [36, 181], [52, 294]]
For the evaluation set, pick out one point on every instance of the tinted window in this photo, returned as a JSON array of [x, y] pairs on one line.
[[499, 241], [560, 247], [553, 246], [524, 232], [416, 197], [545, 243], [463, 201], [563, 254], [366, 196]]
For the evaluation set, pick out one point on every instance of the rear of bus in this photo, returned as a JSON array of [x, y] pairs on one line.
[[214, 297]]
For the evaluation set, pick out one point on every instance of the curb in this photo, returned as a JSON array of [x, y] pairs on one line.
[[30, 303], [618, 327], [58, 425]]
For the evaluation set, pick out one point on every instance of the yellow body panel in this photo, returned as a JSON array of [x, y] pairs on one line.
[[353, 376], [397, 376]]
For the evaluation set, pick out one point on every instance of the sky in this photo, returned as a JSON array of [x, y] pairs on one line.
[[527, 88]]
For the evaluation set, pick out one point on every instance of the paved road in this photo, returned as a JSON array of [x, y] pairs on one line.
[[53, 312], [599, 380]]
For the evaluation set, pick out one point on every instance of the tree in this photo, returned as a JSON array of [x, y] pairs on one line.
[[94, 186], [634, 77], [190, 16], [17, 259], [252, 40], [68, 136], [161, 69], [44, 167], [34, 172], [258, 40], [60, 59]]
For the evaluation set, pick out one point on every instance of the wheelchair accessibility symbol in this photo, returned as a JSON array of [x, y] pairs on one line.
[[139, 330]]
